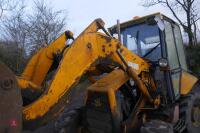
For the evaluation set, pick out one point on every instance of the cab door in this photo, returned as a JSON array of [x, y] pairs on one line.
[[173, 58]]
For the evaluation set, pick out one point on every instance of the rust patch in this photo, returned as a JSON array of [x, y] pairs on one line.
[[121, 50], [104, 48], [106, 38], [89, 45], [118, 45]]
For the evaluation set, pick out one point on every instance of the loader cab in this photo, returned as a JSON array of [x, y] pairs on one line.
[[158, 39]]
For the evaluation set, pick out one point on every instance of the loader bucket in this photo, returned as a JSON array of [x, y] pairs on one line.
[[10, 102]]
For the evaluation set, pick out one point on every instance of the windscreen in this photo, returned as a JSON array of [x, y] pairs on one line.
[[143, 40]]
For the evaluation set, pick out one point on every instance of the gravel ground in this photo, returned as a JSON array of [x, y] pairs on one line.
[[49, 128]]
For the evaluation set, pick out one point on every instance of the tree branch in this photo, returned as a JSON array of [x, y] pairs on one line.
[[182, 4], [149, 3], [175, 15]]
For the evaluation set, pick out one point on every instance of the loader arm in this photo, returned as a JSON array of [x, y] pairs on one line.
[[41, 62], [87, 49]]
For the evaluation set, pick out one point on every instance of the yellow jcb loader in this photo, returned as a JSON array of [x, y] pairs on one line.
[[138, 84]]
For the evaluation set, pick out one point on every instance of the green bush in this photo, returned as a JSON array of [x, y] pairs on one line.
[[193, 58], [12, 56]]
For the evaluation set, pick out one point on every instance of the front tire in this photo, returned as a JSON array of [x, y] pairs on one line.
[[190, 110], [68, 122], [156, 126]]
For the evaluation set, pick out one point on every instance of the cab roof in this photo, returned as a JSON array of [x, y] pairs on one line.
[[138, 20]]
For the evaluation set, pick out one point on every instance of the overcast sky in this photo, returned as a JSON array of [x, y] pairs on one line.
[[80, 13]]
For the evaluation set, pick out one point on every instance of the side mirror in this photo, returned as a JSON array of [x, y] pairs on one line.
[[151, 20], [163, 64], [160, 23], [154, 20]]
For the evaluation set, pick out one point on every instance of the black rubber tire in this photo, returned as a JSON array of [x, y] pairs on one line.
[[99, 120], [68, 122], [156, 126], [186, 110], [70, 119]]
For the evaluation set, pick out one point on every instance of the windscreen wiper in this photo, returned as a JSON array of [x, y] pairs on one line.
[[138, 43], [151, 50]]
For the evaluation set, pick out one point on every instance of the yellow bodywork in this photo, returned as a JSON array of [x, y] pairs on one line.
[[187, 82], [87, 49], [109, 85]]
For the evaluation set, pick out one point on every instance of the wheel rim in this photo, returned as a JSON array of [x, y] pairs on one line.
[[195, 114]]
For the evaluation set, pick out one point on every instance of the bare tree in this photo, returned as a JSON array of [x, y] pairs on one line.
[[34, 30], [45, 24], [27, 32], [9, 5], [15, 29], [188, 8], [10, 55], [15, 34], [195, 33]]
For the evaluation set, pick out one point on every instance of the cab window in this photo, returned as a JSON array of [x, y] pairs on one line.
[[141, 39], [171, 48], [180, 48]]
